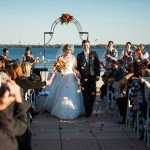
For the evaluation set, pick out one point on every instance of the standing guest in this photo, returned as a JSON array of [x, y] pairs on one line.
[[5, 54], [15, 73], [127, 53], [7, 136], [140, 54], [18, 122], [89, 67], [110, 54], [137, 54], [144, 54]]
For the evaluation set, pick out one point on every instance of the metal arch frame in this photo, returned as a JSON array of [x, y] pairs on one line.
[[58, 21]]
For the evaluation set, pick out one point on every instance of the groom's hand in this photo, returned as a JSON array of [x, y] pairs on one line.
[[97, 78]]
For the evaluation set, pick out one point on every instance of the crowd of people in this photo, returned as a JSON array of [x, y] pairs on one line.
[[129, 71], [16, 79], [126, 76]]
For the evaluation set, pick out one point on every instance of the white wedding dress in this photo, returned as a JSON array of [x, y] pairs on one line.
[[64, 101]]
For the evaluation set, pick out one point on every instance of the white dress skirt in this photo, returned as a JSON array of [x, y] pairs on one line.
[[65, 101]]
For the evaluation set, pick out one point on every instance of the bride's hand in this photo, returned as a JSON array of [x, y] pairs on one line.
[[49, 82], [78, 74]]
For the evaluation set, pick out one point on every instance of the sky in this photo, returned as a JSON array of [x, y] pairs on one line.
[[25, 21]]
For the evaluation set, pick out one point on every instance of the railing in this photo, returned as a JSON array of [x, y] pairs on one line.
[[46, 63], [49, 64]]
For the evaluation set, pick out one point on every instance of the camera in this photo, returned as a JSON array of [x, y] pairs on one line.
[[3, 89]]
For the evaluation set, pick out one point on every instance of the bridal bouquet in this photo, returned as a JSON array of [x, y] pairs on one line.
[[66, 18], [59, 65]]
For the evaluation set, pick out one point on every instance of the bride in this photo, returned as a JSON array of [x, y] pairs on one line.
[[65, 100]]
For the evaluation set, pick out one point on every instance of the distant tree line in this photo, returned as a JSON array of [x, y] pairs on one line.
[[59, 45]]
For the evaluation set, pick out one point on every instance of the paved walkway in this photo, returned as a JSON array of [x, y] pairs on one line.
[[99, 132]]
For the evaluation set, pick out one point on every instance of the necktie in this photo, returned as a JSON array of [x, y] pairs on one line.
[[87, 57]]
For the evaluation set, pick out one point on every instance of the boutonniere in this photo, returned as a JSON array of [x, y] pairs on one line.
[[91, 55], [83, 67]]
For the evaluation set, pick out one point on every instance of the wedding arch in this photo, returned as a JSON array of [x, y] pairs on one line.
[[64, 19]]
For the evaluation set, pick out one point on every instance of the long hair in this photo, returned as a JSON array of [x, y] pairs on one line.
[[68, 47], [24, 67], [15, 71], [28, 49]]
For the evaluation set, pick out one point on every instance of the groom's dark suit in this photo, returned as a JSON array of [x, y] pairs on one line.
[[89, 71]]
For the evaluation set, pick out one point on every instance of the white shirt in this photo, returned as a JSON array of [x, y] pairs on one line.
[[86, 54]]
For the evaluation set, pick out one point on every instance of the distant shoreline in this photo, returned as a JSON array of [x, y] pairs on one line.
[[59, 45]]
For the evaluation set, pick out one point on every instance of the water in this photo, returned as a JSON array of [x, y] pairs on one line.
[[50, 53]]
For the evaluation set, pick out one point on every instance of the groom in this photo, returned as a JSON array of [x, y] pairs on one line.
[[89, 67]]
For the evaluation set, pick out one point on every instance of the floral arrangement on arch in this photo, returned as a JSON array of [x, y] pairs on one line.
[[66, 18]]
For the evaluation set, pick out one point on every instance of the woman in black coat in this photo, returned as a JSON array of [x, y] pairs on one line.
[[10, 124], [16, 74]]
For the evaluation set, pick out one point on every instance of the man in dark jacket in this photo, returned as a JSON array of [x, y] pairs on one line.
[[89, 67]]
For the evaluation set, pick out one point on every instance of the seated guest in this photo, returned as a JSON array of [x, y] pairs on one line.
[[15, 72], [28, 73], [120, 70], [146, 81], [115, 70], [137, 86]]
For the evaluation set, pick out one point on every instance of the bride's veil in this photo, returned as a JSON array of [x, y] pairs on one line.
[[61, 52]]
